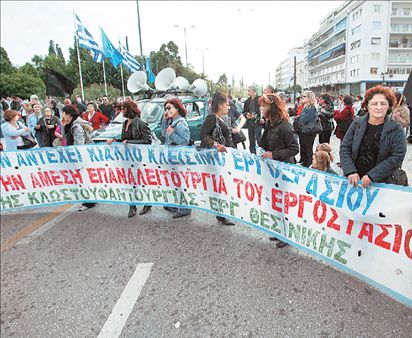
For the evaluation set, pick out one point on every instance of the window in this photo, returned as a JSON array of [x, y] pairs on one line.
[[376, 25], [375, 41], [373, 70], [354, 59], [375, 56], [377, 8], [406, 11], [356, 30], [355, 44], [394, 11], [357, 71]]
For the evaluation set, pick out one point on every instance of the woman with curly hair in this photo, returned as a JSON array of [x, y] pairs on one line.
[[134, 131], [374, 146], [176, 133]]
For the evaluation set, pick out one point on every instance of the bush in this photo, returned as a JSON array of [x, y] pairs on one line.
[[96, 90]]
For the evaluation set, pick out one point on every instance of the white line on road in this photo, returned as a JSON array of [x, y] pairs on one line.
[[47, 226], [124, 306]]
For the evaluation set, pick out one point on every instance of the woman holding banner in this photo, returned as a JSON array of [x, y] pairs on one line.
[[374, 146], [176, 133], [216, 133], [134, 131], [74, 134], [278, 139]]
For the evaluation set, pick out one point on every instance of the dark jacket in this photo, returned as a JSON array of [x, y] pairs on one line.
[[326, 117], [47, 134], [206, 132], [392, 149], [256, 110], [280, 139], [307, 120], [140, 131]]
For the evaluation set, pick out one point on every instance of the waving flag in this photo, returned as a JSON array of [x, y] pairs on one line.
[[110, 51], [86, 41], [129, 60]]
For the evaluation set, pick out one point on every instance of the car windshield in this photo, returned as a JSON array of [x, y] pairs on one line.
[[151, 111]]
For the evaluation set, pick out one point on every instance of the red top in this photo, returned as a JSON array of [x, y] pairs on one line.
[[347, 113], [96, 119], [299, 110]]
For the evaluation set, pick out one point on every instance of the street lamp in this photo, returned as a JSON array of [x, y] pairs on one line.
[[184, 29], [383, 78], [203, 57]]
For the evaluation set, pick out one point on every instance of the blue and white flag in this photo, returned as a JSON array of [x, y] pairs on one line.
[[129, 60], [110, 51], [86, 41]]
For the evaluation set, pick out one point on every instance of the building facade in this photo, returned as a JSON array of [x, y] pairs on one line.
[[359, 44]]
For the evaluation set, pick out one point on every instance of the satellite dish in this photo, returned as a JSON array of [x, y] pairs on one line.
[[164, 80], [137, 82], [198, 87], [181, 83]]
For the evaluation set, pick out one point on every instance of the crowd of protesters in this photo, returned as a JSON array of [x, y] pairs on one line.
[[372, 130]]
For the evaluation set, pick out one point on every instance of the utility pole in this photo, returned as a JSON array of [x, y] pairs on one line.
[[140, 36]]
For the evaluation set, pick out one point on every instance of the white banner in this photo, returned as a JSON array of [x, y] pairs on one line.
[[366, 232]]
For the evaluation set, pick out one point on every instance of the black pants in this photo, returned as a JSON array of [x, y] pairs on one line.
[[324, 137], [306, 148], [254, 131]]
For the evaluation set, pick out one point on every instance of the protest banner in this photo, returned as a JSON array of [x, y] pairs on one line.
[[366, 232]]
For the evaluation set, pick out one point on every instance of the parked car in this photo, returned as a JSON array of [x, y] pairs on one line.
[[152, 113]]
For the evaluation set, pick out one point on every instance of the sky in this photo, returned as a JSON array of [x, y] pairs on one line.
[[239, 38]]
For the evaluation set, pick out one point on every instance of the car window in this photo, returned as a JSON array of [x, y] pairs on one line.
[[194, 110], [151, 111]]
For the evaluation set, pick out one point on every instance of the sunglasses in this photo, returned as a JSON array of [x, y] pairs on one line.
[[168, 108]]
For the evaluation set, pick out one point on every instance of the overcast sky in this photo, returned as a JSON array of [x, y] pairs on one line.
[[244, 38]]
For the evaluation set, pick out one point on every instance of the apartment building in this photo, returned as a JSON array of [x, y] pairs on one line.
[[285, 71], [359, 44]]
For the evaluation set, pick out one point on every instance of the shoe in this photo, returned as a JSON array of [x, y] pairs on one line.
[[178, 215], [145, 209], [83, 208], [225, 221], [132, 211], [170, 209], [281, 244]]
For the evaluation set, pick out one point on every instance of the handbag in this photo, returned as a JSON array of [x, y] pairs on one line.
[[57, 142], [318, 126], [217, 133], [28, 141], [398, 177], [238, 137]]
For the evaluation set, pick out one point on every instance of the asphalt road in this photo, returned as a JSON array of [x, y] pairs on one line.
[[65, 278]]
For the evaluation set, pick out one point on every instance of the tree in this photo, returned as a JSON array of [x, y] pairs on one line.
[[60, 53], [29, 69], [6, 66], [22, 85], [95, 90], [52, 50]]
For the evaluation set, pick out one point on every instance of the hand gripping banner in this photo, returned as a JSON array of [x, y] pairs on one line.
[[366, 232]]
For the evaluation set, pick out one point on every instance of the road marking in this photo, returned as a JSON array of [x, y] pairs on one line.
[[47, 226], [33, 227], [124, 306]]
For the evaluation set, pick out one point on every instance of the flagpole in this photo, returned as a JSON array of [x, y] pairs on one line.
[[104, 78], [121, 72], [78, 56]]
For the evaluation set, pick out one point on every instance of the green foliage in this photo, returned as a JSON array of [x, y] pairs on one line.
[[60, 53], [6, 66], [95, 90], [29, 69], [22, 85], [52, 50]]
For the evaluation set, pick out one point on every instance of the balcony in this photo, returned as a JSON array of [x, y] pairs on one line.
[[400, 60], [399, 44]]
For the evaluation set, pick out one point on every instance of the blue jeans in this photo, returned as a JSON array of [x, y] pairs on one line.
[[255, 133]]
